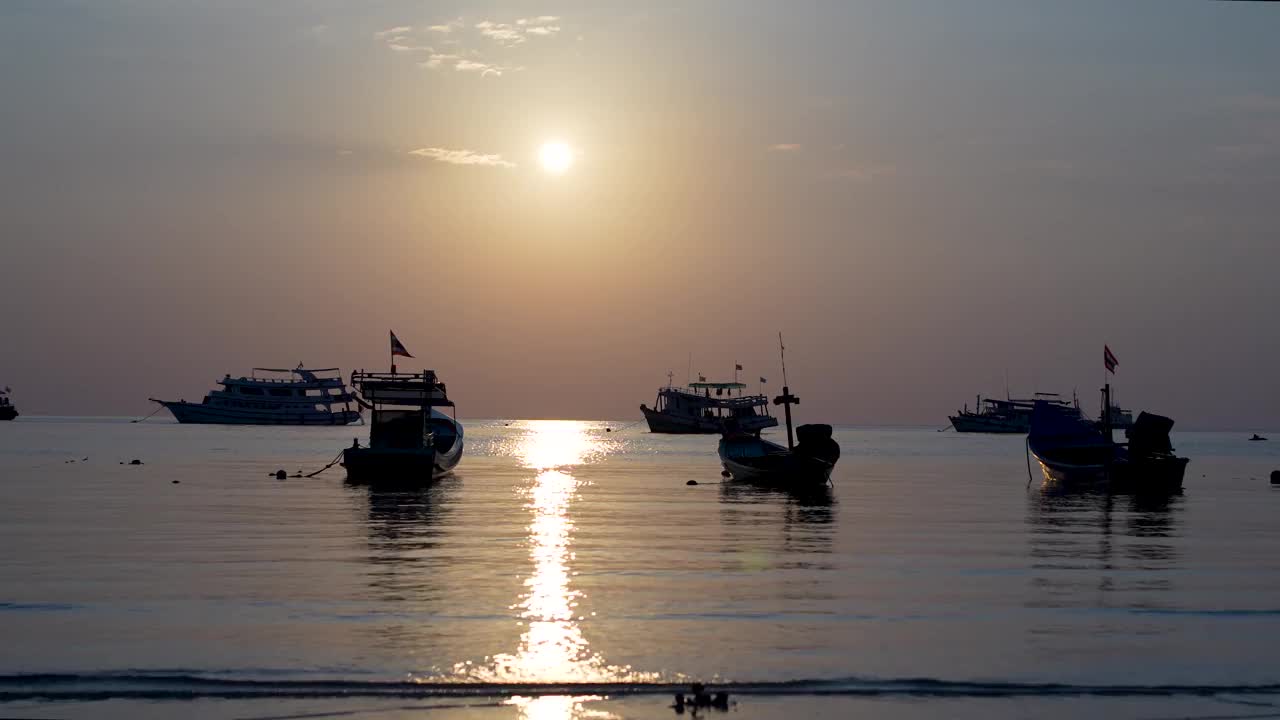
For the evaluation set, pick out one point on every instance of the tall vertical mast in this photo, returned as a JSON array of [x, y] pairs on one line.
[[1106, 411], [786, 399]]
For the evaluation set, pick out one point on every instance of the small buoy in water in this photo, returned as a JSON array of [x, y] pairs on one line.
[[175, 482], [608, 429], [135, 461], [280, 475], [1275, 477], [692, 482]]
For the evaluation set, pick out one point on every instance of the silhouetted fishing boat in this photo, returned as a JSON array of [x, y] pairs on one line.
[[296, 396], [695, 410], [1009, 416], [1072, 450], [7, 410], [1013, 415], [748, 457], [410, 441]]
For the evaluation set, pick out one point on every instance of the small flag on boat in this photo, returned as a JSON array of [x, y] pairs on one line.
[[1109, 359], [397, 347], [702, 378], [737, 367], [762, 381]]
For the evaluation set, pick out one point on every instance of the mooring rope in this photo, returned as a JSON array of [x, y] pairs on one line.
[[332, 462], [153, 412]]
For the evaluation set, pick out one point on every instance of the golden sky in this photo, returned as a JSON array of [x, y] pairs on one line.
[[553, 204]]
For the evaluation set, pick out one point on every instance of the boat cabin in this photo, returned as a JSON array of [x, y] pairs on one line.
[[710, 401], [402, 407]]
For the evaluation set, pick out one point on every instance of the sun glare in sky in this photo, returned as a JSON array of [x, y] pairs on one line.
[[556, 157]]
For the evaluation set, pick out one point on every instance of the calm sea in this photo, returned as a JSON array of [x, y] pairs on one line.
[[567, 570]]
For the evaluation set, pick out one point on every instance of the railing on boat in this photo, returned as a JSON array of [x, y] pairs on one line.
[[422, 389]]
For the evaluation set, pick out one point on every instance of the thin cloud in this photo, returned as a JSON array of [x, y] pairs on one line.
[[392, 32], [457, 49], [437, 61], [447, 27], [402, 44], [866, 173], [462, 157], [785, 147], [519, 31], [501, 32]]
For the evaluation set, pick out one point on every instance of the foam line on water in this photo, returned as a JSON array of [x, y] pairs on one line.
[[161, 686]]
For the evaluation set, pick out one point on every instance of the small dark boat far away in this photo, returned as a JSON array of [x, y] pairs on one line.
[[1256, 437], [748, 457], [7, 410]]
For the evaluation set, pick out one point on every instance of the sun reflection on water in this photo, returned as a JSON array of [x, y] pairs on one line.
[[552, 646]]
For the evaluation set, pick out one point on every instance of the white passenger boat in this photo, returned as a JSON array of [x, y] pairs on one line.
[[297, 396]]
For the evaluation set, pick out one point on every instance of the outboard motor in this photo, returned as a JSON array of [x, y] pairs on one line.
[[1150, 435], [815, 441]]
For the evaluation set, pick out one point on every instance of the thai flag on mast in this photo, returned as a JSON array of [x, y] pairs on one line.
[[397, 347], [1109, 359]]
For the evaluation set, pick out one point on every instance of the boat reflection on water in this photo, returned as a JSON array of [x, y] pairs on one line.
[[553, 647], [404, 526], [1101, 551], [806, 520]]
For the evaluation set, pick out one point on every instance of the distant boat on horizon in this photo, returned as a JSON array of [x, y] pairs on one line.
[[7, 410], [1012, 416], [296, 396], [694, 410]]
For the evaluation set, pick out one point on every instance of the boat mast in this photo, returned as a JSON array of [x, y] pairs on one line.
[[1106, 411], [786, 399]]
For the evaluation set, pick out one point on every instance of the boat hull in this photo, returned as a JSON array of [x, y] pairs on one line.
[[1155, 474], [408, 466], [660, 422], [191, 413], [8, 412], [978, 424], [393, 466], [753, 460]]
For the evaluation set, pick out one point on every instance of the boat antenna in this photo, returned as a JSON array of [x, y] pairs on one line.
[[671, 376], [782, 353], [786, 399], [689, 377]]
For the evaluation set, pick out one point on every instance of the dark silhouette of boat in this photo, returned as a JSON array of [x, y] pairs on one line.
[[695, 410], [289, 396], [1012, 416], [751, 458], [1256, 437], [1072, 450], [410, 441], [748, 457], [7, 410]]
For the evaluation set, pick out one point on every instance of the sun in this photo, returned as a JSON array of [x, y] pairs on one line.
[[555, 156]]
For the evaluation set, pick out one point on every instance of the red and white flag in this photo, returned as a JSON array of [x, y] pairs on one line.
[[397, 347], [1109, 360]]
